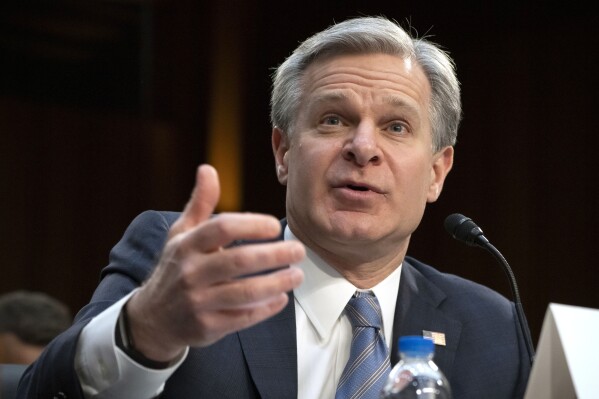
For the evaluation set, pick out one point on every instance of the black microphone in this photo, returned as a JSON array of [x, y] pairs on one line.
[[463, 229]]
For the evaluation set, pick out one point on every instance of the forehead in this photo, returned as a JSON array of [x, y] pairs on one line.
[[380, 77]]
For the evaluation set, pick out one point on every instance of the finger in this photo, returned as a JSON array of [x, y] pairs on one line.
[[228, 321], [232, 263], [249, 292], [203, 201], [247, 315], [225, 228]]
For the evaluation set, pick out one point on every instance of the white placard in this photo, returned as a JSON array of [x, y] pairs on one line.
[[565, 366]]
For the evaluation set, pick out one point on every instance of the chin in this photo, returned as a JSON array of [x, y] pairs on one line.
[[353, 228]]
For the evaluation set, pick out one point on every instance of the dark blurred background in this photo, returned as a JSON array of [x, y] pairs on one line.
[[107, 107]]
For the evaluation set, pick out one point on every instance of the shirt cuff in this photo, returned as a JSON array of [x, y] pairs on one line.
[[105, 371]]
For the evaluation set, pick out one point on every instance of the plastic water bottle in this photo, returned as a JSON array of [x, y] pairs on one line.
[[416, 376]]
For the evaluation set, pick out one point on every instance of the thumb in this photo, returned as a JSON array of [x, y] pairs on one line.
[[203, 201]]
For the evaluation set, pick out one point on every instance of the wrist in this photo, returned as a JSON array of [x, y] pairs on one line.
[[126, 342]]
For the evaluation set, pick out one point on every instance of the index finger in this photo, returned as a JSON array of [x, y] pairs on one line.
[[226, 228]]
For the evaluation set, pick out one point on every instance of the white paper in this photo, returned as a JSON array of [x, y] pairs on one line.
[[567, 354]]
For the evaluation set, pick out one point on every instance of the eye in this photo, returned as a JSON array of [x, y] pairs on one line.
[[331, 120], [398, 128]]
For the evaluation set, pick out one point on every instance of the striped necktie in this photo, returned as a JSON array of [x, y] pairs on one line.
[[368, 366]]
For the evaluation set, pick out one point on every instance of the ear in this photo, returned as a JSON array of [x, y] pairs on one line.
[[442, 163], [280, 146]]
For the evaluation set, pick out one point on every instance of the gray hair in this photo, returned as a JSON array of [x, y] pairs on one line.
[[366, 35]]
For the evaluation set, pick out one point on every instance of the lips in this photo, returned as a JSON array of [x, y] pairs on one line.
[[358, 186]]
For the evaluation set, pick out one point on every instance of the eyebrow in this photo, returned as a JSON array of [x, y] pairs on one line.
[[399, 102], [332, 96], [340, 97]]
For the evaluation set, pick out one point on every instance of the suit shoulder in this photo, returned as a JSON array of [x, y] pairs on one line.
[[468, 294], [145, 218], [149, 226]]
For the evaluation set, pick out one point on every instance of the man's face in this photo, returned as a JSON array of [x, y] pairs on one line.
[[359, 165]]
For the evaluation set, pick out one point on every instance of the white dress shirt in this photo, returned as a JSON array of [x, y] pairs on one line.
[[105, 371], [324, 336], [324, 332]]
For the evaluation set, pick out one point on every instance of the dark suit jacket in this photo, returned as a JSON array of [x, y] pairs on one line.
[[485, 355]]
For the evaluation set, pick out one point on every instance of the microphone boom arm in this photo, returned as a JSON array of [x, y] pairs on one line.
[[465, 230], [516, 294]]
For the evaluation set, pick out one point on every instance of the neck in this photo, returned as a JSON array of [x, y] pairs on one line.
[[363, 273], [364, 264]]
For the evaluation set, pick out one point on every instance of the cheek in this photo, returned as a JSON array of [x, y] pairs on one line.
[[309, 164], [413, 179], [313, 157]]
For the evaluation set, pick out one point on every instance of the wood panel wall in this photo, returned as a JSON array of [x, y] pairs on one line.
[[76, 168]]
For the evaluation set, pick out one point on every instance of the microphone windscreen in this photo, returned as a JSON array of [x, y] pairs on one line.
[[453, 222], [462, 228]]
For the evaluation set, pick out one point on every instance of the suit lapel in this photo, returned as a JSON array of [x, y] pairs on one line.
[[418, 309], [270, 349]]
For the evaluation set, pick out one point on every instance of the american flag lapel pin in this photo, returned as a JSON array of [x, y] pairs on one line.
[[437, 337]]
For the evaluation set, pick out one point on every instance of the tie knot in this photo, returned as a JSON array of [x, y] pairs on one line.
[[364, 310]]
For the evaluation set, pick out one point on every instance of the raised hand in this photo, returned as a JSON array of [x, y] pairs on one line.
[[199, 291]]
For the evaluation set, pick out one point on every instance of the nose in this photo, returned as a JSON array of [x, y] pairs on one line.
[[362, 146]]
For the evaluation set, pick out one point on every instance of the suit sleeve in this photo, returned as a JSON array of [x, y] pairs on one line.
[[131, 262]]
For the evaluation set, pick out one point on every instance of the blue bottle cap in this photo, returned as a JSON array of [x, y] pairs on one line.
[[414, 345]]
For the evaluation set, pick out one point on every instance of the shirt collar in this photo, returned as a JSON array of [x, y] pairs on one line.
[[324, 293]]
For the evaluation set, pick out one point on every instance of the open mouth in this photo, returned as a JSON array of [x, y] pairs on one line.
[[357, 188]]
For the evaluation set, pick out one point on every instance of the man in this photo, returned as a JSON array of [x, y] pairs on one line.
[[364, 122], [28, 322]]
